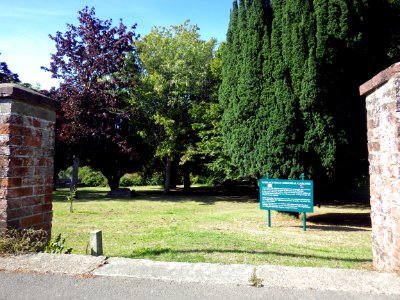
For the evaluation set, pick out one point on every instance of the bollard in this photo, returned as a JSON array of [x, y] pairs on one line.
[[96, 243]]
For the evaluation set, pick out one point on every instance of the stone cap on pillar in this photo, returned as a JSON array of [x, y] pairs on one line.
[[380, 79], [19, 93]]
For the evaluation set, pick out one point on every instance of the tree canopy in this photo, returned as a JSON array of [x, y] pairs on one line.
[[177, 76], [96, 120], [6, 76], [286, 80], [289, 94], [207, 116]]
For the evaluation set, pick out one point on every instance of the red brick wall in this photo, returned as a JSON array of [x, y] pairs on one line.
[[383, 113], [27, 121]]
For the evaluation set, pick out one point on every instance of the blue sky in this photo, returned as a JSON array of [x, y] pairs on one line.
[[26, 24]]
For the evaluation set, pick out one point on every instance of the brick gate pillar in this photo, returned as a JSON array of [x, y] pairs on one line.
[[27, 124], [383, 121]]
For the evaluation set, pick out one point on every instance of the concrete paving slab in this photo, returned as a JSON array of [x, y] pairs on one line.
[[322, 279], [173, 271], [347, 280], [70, 264]]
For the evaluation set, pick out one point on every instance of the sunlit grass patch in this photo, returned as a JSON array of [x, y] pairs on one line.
[[217, 229]]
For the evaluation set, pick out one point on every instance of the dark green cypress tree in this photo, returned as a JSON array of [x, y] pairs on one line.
[[229, 59], [306, 114], [317, 141], [340, 39], [241, 141], [252, 26], [241, 88], [351, 39], [227, 92], [267, 101], [325, 148], [279, 145]]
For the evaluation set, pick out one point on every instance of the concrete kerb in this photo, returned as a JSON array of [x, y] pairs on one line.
[[322, 279], [70, 264]]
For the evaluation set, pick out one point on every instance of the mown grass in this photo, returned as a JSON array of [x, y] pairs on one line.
[[216, 229]]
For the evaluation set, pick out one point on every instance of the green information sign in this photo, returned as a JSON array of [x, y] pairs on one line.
[[286, 195]]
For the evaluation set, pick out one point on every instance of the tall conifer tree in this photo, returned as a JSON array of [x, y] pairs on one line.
[[247, 45], [227, 92], [306, 115], [281, 138], [241, 140]]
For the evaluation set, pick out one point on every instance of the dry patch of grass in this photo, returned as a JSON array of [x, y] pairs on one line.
[[218, 229]]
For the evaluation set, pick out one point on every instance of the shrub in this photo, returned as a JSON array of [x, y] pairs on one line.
[[199, 179], [65, 174], [155, 180], [137, 180], [15, 241], [131, 180], [86, 175], [90, 177]]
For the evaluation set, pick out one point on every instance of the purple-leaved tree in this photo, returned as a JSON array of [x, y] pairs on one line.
[[96, 119]]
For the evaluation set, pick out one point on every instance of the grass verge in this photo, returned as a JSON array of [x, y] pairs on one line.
[[216, 229]]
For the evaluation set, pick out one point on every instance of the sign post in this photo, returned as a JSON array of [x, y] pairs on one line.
[[269, 218], [287, 195]]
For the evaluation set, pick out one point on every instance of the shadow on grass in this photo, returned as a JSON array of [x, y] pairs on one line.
[[209, 195], [206, 198], [83, 195], [154, 252], [205, 195], [340, 221], [335, 228]]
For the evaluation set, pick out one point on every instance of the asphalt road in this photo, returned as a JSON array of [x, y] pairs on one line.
[[15, 286]]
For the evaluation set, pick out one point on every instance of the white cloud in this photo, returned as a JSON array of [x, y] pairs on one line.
[[13, 12]]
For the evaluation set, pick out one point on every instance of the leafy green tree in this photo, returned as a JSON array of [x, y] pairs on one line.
[[177, 74], [207, 124]]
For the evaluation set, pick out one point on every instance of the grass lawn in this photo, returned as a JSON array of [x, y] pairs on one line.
[[216, 229]]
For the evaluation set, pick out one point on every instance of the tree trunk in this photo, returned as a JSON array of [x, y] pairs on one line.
[[167, 183], [145, 175], [186, 178], [74, 177], [173, 181], [55, 178], [113, 181]]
